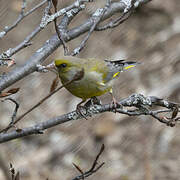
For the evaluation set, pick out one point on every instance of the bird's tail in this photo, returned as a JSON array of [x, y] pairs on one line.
[[129, 64], [115, 67], [122, 64]]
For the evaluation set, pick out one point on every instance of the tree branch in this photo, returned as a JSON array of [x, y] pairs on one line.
[[22, 15], [46, 19], [96, 18], [142, 106], [93, 168], [79, 75], [53, 43]]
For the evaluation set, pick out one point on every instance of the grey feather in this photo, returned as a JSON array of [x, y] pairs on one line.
[[117, 66]]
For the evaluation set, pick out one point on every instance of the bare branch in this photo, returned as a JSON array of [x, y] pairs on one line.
[[45, 21], [96, 17], [76, 7], [15, 110], [130, 6], [141, 104], [58, 30], [67, 10], [93, 169], [79, 75], [51, 45], [22, 15], [116, 22], [26, 42]]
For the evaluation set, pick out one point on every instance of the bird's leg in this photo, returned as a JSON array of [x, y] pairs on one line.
[[94, 100], [79, 109], [114, 103]]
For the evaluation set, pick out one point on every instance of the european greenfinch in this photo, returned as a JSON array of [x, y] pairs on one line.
[[98, 75]]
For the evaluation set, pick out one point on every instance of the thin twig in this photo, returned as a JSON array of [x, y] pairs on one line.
[[93, 168], [46, 19], [59, 33], [67, 10], [52, 44], [135, 100], [116, 22], [22, 15], [13, 117], [76, 77], [26, 41], [96, 18]]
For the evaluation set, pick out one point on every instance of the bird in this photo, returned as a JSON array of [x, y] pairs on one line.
[[88, 78]]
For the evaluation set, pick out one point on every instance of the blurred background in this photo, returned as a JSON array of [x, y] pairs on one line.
[[136, 148]]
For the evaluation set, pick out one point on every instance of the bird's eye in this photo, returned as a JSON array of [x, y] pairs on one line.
[[63, 65]]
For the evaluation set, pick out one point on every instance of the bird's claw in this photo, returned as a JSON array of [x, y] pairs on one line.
[[114, 105], [80, 110], [93, 101]]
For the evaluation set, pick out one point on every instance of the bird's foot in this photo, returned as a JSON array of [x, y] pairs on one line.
[[93, 101], [81, 110], [114, 105]]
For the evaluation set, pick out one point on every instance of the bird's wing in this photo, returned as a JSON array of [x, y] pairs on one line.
[[115, 67], [99, 68]]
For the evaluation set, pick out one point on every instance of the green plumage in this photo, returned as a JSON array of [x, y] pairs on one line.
[[98, 75]]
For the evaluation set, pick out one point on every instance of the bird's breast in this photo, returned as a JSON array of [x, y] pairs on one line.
[[90, 85]]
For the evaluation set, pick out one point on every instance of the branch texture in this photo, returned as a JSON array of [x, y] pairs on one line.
[[141, 106], [53, 43]]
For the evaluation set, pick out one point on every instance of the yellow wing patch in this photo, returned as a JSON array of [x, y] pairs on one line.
[[127, 67], [130, 66], [115, 74]]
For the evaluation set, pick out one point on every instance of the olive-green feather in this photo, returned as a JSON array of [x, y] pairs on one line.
[[98, 75]]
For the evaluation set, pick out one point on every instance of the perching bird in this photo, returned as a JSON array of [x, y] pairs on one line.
[[97, 75]]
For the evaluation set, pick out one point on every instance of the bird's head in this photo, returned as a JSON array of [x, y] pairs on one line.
[[66, 68], [62, 65]]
